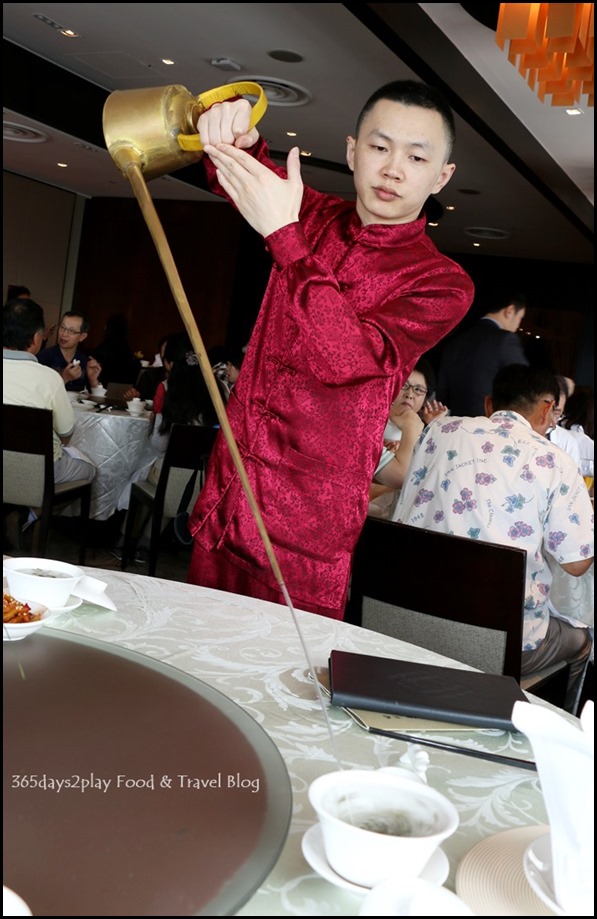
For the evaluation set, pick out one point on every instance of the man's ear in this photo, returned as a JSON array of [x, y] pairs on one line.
[[488, 406], [350, 145], [83, 336]]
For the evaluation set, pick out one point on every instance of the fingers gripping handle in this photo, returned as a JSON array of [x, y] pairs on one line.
[[221, 94]]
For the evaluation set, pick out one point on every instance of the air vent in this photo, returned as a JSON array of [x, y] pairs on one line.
[[279, 92], [486, 233], [22, 134]]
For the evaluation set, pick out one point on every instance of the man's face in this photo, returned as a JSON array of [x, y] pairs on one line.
[[69, 332], [398, 160]]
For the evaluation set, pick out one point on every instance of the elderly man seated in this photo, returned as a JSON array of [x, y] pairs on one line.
[[27, 382], [499, 479]]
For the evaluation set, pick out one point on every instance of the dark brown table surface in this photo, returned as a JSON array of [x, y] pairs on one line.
[[132, 788]]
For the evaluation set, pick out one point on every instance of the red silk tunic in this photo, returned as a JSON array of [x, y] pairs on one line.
[[348, 311]]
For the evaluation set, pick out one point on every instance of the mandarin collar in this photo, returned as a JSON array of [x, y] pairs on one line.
[[385, 235]]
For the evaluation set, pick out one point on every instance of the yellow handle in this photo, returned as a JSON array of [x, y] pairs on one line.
[[220, 94]]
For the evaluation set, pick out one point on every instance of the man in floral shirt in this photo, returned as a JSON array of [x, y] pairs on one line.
[[500, 480]]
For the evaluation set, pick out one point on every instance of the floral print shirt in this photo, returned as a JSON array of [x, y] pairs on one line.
[[497, 480]]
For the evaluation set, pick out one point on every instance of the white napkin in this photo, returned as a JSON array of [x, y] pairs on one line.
[[565, 754], [94, 591]]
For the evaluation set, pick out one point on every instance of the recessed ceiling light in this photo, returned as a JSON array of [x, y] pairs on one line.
[[167, 60], [291, 133], [476, 245], [288, 57], [574, 111], [450, 207], [62, 165], [306, 153]]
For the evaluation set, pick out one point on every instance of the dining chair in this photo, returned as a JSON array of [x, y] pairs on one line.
[[188, 450], [453, 595], [28, 474]]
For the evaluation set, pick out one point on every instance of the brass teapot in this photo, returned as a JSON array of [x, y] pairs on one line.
[[156, 128]]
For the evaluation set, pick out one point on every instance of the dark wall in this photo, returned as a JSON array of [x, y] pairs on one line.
[[560, 299], [224, 267], [119, 270]]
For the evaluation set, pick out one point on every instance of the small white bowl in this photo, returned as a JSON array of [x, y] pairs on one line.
[[42, 580], [15, 631], [135, 408]]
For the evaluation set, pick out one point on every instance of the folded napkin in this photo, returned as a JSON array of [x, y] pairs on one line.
[[93, 591], [565, 754]]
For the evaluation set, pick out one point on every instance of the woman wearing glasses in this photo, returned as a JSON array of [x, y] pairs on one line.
[[411, 410], [78, 371]]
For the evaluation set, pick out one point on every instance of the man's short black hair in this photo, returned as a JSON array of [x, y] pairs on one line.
[[21, 319], [520, 387]]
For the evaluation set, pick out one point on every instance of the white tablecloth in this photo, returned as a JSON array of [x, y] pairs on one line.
[[119, 446], [249, 650]]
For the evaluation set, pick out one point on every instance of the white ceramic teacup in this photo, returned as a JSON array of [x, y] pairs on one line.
[[99, 391], [135, 406], [380, 823]]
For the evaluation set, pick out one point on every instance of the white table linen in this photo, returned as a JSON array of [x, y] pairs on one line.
[[118, 444], [249, 650]]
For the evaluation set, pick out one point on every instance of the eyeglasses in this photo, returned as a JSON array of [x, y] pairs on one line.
[[66, 331], [418, 390]]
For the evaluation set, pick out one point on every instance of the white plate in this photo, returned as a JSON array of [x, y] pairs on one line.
[[73, 603], [412, 897], [491, 879], [436, 870], [538, 870], [12, 904]]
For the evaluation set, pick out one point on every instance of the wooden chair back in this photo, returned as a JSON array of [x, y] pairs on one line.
[[28, 473]]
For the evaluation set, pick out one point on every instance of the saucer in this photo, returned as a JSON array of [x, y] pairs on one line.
[[538, 870], [435, 871], [73, 603], [491, 878]]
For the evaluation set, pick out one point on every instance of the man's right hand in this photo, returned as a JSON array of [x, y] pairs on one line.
[[72, 372], [228, 123]]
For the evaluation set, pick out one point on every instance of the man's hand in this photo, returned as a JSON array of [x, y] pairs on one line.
[[93, 371], [72, 372], [228, 123], [266, 201], [433, 409]]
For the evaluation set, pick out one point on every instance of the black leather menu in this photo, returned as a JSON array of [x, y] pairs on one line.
[[381, 684]]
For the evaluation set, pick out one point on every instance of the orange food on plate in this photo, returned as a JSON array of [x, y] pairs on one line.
[[14, 611]]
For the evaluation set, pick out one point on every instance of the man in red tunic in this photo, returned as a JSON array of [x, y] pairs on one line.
[[356, 294]]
